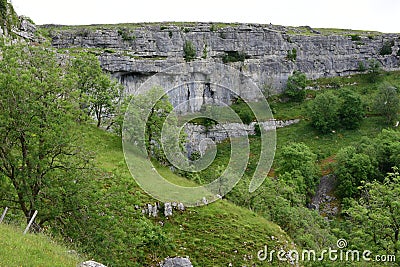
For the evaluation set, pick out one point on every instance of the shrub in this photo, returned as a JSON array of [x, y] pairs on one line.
[[387, 102], [386, 48], [355, 37], [189, 51], [352, 168], [351, 111], [126, 35], [233, 56], [374, 70], [295, 87], [298, 157], [243, 111], [324, 112], [292, 54]]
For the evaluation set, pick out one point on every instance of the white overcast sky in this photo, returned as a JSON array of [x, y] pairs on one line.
[[380, 15]]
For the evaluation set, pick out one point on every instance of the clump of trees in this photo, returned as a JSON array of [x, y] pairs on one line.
[[366, 161], [329, 111]]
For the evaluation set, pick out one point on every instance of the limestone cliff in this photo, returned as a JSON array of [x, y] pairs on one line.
[[266, 53]]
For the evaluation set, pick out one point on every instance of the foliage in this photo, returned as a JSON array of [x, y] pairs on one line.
[[189, 51], [387, 150], [324, 111], [205, 52], [297, 157], [42, 164], [243, 111], [112, 230], [386, 48], [234, 56], [292, 54], [352, 168], [351, 110], [374, 70], [126, 35], [387, 103], [102, 93], [295, 87], [375, 216], [150, 111], [365, 161], [355, 37]]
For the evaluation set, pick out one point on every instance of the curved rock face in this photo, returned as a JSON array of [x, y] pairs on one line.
[[266, 53]]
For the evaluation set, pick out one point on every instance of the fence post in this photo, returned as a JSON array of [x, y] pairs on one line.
[[3, 215], [30, 222]]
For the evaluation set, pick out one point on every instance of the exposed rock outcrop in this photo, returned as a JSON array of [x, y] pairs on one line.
[[199, 138], [176, 262], [91, 264]]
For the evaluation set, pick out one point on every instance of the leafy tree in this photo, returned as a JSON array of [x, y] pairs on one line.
[[352, 169], [324, 112], [387, 150], [375, 216], [298, 157], [103, 93], [296, 85], [351, 111], [189, 51], [387, 103], [374, 70], [149, 111], [40, 159]]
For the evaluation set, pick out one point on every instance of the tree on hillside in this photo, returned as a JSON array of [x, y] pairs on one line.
[[102, 93], [324, 111], [352, 168], [351, 111], [376, 216], [148, 112], [298, 160], [296, 85], [41, 165], [387, 103]]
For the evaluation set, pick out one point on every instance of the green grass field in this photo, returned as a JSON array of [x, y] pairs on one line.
[[32, 250]]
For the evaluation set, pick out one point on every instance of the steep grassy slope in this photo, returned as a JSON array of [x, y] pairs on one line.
[[32, 250], [213, 235]]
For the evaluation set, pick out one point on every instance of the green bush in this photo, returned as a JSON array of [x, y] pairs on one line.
[[352, 168], [189, 51], [387, 103], [295, 87], [355, 37], [299, 157], [374, 71], [386, 48], [243, 111], [351, 111], [324, 112], [292, 54], [234, 56], [126, 35]]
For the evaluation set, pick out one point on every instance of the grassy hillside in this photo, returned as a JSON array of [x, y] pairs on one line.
[[213, 235], [32, 250]]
